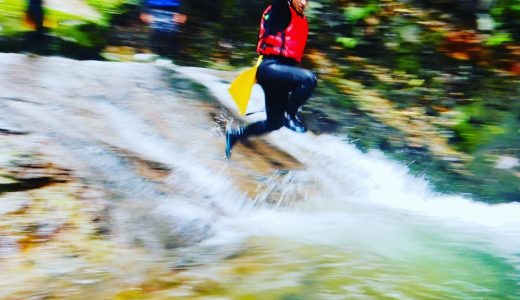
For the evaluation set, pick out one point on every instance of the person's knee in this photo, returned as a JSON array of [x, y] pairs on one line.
[[310, 80]]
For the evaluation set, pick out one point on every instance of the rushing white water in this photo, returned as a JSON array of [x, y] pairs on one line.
[[360, 222], [363, 202], [344, 195], [345, 175]]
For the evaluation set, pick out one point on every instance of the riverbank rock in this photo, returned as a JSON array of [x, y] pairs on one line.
[[54, 229]]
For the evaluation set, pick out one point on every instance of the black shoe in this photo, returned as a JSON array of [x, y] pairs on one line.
[[232, 136], [294, 123]]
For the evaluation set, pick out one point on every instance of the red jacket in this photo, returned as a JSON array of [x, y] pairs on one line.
[[288, 43]]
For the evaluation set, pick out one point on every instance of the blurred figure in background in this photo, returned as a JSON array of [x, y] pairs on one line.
[[165, 20], [34, 16], [282, 40]]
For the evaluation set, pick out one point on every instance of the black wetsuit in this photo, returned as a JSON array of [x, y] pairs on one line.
[[286, 86]]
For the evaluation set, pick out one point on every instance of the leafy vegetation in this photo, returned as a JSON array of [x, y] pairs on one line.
[[69, 33]]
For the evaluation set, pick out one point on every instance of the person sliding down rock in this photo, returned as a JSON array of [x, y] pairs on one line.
[[282, 39]]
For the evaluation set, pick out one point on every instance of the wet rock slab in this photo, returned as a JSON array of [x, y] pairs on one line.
[[52, 227]]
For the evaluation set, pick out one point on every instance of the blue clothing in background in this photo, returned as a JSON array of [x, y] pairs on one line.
[[163, 3], [162, 12]]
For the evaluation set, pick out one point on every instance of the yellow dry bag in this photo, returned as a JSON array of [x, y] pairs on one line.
[[242, 86]]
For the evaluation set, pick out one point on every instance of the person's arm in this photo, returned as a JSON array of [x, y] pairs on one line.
[[279, 17]]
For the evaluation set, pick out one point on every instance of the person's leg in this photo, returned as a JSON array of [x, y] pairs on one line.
[[275, 99], [300, 82], [307, 82], [277, 81]]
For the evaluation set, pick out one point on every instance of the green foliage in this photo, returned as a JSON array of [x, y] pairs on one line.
[[478, 126], [11, 14], [225, 31], [503, 8], [431, 39], [496, 180], [87, 34], [507, 14], [498, 38], [111, 6], [473, 135], [408, 63], [74, 31], [354, 14], [347, 42]]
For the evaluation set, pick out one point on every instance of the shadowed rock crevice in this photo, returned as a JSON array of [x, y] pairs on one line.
[[25, 185], [6, 131]]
